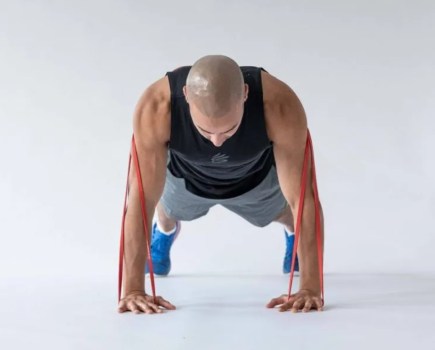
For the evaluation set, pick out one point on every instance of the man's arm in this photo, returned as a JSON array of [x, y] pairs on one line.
[[287, 128], [151, 127]]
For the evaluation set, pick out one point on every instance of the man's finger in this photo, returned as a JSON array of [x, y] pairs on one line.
[[154, 307], [275, 301], [297, 305], [133, 307], [144, 307], [288, 304], [308, 305], [122, 307], [285, 306], [165, 303]]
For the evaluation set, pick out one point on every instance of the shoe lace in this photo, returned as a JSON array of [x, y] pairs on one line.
[[161, 244]]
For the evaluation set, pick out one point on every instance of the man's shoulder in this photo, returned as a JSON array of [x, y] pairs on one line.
[[282, 108], [152, 112]]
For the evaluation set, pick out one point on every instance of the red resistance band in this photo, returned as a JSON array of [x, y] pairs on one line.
[[308, 153]]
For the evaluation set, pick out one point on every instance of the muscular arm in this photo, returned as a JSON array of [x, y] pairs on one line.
[[287, 128], [151, 131]]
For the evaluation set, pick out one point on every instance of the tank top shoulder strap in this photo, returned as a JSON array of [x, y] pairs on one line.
[[177, 79]]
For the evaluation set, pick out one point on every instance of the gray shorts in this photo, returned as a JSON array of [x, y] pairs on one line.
[[260, 205]]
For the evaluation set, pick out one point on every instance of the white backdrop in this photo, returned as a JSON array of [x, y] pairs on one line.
[[72, 71]]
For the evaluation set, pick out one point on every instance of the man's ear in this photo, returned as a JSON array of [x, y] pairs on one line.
[[185, 93], [246, 92]]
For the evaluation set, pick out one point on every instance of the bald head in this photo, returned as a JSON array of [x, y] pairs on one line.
[[215, 85]]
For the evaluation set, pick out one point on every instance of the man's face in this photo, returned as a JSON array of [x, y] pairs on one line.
[[218, 130]]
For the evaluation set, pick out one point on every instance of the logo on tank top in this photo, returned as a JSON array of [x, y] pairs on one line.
[[219, 158]]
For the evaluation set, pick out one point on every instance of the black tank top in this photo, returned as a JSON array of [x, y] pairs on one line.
[[236, 167]]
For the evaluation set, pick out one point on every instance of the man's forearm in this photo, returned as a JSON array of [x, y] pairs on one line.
[[307, 247], [135, 252]]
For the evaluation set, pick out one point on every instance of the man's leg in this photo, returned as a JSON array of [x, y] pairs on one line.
[[265, 204], [286, 218], [175, 205], [165, 222]]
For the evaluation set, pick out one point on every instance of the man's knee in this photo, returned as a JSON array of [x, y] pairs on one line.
[[285, 217], [165, 219]]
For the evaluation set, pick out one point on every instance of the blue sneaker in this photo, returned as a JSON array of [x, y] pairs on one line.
[[160, 250], [286, 266]]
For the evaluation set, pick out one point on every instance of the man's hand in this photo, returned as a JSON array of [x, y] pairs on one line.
[[139, 302], [304, 300]]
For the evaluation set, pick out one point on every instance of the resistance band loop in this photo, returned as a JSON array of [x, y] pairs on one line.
[[308, 152]]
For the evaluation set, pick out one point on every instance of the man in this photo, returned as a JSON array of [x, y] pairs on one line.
[[218, 133]]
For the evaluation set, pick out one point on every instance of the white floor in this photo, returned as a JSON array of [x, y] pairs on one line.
[[224, 311]]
